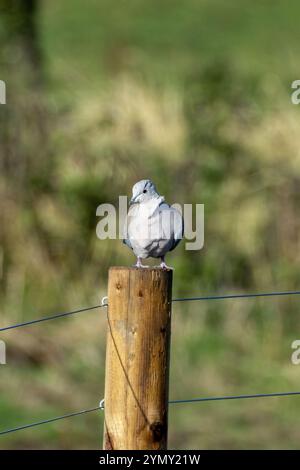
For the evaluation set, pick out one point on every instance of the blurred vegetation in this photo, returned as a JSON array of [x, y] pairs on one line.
[[196, 96]]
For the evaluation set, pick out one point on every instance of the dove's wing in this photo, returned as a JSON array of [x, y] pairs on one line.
[[131, 213], [126, 241], [174, 220], [178, 229]]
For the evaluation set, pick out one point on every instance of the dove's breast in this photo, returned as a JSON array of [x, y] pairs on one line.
[[152, 232]]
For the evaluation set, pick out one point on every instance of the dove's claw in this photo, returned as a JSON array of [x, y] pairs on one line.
[[139, 264], [163, 265]]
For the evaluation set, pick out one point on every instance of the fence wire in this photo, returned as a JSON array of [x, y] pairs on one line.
[[171, 402], [47, 421], [182, 299], [238, 296], [51, 317]]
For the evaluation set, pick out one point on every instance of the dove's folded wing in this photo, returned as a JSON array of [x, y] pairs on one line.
[[172, 222], [178, 228], [131, 213], [126, 241]]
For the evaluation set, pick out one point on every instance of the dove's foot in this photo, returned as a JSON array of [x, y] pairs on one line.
[[163, 265], [139, 264]]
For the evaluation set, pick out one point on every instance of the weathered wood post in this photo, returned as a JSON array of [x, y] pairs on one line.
[[137, 358]]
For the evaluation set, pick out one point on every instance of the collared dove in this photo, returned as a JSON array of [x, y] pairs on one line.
[[152, 227]]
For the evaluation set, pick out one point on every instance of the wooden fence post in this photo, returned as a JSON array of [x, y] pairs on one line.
[[137, 358]]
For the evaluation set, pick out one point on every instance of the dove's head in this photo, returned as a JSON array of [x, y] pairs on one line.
[[142, 191]]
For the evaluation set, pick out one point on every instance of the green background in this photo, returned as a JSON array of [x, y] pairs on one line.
[[195, 95]]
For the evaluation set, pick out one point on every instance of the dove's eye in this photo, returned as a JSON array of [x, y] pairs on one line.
[[145, 190]]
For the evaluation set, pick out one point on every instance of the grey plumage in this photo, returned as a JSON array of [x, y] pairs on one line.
[[152, 227]]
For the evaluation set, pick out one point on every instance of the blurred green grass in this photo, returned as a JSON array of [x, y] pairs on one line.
[[195, 95], [161, 40]]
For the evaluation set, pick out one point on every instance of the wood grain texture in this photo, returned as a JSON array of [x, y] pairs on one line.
[[137, 358]]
